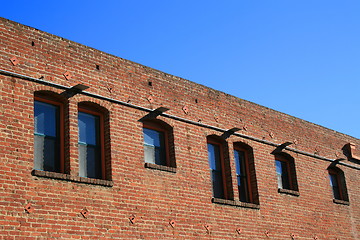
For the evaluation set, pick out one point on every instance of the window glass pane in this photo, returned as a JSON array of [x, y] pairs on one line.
[[93, 162], [149, 152], [278, 167], [285, 175], [279, 173], [82, 160], [88, 128], [211, 156], [282, 175], [218, 189], [241, 175], [240, 162], [154, 147], [45, 118], [279, 180], [89, 145], [333, 180], [46, 139], [90, 164], [214, 156], [335, 186], [152, 137], [50, 154], [39, 152], [216, 171], [243, 189], [284, 167], [237, 162], [160, 156]]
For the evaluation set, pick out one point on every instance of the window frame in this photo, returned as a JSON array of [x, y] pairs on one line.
[[288, 170], [159, 128], [249, 198], [341, 184], [334, 173], [289, 161], [61, 127], [211, 140], [101, 136]]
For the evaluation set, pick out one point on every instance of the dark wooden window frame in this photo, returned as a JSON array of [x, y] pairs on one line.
[[52, 101], [101, 136], [342, 191], [213, 141], [291, 172], [288, 169], [158, 127], [247, 170]]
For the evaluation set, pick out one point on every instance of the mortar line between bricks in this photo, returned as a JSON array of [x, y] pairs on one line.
[[17, 75]]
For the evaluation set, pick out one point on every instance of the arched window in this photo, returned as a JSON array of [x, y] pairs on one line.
[[245, 172], [48, 132], [337, 183], [220, 174], [158, 143], [285, 172], [91, 141]]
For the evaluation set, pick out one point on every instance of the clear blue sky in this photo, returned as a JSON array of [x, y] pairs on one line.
[[300, 57]]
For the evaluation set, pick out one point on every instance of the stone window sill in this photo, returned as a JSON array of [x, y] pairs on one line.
[[235, 203], [289, 192], [338, 201], [70, 178], [160, 167]]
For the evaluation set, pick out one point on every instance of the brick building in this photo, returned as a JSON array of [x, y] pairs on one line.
[[94, 146]]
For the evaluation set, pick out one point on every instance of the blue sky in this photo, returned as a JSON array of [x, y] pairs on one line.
[[300, 57]]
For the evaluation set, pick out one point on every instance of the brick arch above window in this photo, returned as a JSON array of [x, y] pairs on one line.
[[106, 106], [45, 88], [50, 94], [93, 105]]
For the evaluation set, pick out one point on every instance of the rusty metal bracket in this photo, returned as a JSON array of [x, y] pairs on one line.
[[230, 132]]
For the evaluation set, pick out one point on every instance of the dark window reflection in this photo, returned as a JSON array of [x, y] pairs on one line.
[[46, 137], [89, 145], [216, 170]]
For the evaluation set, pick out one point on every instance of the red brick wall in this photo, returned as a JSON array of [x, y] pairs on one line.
[[155, 197]]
